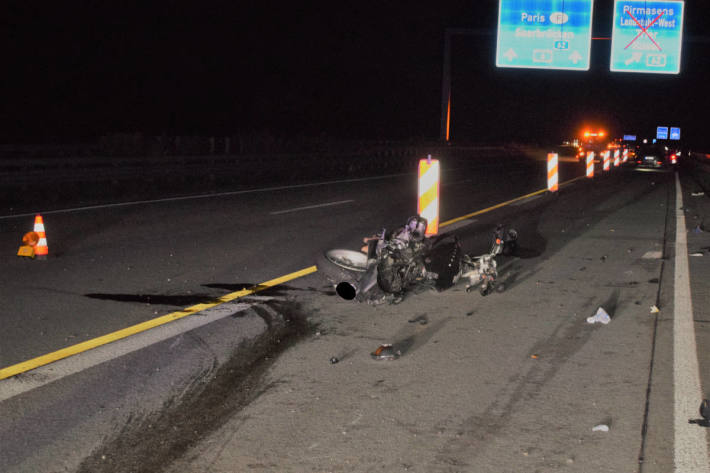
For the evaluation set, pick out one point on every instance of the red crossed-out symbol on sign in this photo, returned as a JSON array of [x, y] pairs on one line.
[[644, 30]]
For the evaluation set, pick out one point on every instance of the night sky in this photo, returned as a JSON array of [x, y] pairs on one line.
[[366, 70]]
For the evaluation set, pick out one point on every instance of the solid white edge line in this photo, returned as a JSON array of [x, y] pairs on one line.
[[314, 206], [690, 442]]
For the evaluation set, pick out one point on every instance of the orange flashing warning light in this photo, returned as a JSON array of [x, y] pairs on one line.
[[428, 195], [29, 242], [30, 238]]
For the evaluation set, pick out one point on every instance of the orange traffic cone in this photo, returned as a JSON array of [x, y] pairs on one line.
[[41, 249]]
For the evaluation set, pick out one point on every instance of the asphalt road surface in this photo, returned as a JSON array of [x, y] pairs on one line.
[[515, 381]]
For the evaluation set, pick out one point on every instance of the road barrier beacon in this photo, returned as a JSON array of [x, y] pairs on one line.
[[606, 154], [617, 158], [590, 164], [428, 195], [552, 176], [626, 155]]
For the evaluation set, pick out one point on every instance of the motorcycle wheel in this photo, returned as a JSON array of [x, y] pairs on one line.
[[339, 265]]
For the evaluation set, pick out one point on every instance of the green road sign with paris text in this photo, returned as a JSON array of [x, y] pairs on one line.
[[544, 34], [647, 36]]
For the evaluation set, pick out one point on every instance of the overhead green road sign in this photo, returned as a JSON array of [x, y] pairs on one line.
[[544, 34], [647, 36]]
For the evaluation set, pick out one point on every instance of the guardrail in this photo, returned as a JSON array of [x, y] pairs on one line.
[[378, 155], [30, 184]]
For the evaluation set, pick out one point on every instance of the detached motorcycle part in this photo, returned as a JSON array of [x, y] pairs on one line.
[[350, 289], [340, 265], [348, 259]]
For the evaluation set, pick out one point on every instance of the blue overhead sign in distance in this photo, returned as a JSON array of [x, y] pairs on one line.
[[629, 137], [662, 133], [647, 36], [544, 34], [675, 133]]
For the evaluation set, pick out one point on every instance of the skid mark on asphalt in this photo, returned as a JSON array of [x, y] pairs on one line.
[[161, 437], [567, 339]]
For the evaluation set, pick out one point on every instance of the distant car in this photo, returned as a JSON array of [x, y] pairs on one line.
[[652, 156], [566, 151]]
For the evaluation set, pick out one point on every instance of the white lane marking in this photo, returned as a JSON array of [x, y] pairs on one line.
[[205, 196], [314, 206], [38, 377], [690, 442]]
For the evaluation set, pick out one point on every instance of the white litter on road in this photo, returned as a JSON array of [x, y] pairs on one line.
[[601, 316]]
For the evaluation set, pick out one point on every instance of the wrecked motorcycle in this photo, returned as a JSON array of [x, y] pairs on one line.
[[393, 263]]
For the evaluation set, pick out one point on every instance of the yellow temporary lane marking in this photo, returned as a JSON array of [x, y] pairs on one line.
[[143, 326], [503, 204]]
